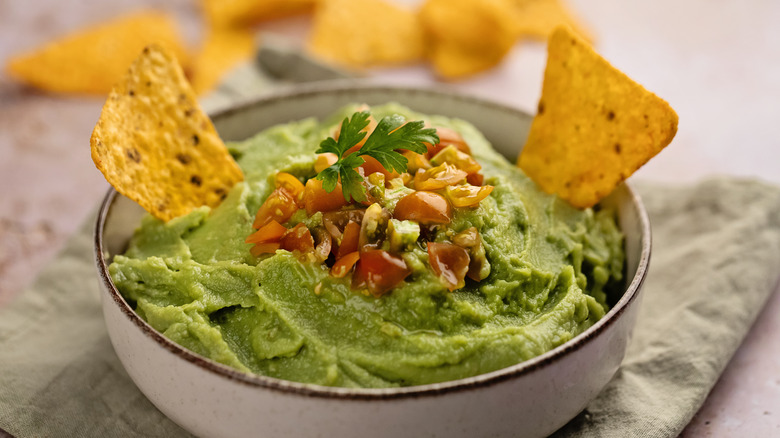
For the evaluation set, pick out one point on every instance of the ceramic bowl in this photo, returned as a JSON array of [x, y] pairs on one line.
[[532, 398]]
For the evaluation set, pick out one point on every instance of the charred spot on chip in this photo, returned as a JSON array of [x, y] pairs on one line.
[[133, 155], [540, 108], [148, 83], [195, 180], [221, 193], [188, 112], [195, 139], [146, 50], [611, 115], [183, 158], [617, 148], [131, 93]]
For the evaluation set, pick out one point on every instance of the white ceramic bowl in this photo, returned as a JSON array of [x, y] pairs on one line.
[[533, 398]]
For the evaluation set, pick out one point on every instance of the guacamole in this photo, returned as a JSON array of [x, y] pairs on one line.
[[547, 271]]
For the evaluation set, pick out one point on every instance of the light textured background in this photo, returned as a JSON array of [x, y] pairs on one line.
[[716, 61]]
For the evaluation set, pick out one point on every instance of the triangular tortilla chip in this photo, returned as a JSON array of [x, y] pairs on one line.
[[94, 59], [594, 127], [156, 146], [467, 36], [362, 33]]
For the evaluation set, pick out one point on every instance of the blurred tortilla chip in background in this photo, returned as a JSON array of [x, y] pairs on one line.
[[459, 38], [155, 144], [227, 13], [364, 33], [594, 127], [467, 36], [222, 50], [92, 60]]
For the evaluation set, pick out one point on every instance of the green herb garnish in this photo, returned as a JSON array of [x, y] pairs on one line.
[[390, 134]]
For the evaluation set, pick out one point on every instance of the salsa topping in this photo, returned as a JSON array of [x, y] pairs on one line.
[[383, 190]]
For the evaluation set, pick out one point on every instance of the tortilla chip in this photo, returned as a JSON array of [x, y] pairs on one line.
[[222, 50], [228, 13], [594, 127], [93, 60], [362, 33], [156, 146], [539, 18], [467, 36]]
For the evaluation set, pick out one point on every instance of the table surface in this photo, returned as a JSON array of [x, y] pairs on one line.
[[716, 62]]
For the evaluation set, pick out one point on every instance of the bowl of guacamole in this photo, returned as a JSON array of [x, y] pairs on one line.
[[455, 296]]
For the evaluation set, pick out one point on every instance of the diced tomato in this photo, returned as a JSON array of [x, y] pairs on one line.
[[457, 158], [349, 240], [424, 207], [448, 137], [379, 271], [336, 221], [324, 244], [279, 206], [315, 198], [291, 185], [472, 242], [438, 177], [475, 179], [298, 238], [450, 263], [467, 195], [344, 264], [372, 165], [324, 161], [270, 232], [264, 248]]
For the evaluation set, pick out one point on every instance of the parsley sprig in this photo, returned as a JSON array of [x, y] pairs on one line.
[[389, 135]]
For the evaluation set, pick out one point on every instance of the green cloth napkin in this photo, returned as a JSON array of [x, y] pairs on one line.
[[715, 261]]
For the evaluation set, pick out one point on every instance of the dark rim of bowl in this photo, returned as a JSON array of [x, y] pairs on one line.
[[285, 386]]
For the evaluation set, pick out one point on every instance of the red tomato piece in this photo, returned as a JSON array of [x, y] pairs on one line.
[[448, 137], [279, 206], [450, 263], [298, 238], [270, 232], [290, 184], [343, 265], [424, 207], [349, 240], [475, 179], [315, 198], [264, 248], [379, 272], [324, 161]]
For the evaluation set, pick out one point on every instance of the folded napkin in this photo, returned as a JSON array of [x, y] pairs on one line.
[[715, 262]]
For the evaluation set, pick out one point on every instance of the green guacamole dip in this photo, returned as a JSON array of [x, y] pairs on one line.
[[194, 279]]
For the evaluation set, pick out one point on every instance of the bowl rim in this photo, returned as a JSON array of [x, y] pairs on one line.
[[434, 389]]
